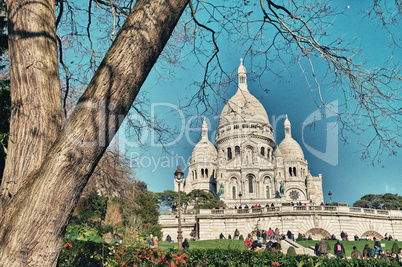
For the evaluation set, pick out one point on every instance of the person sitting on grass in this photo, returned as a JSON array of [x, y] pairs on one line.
[[186, 245], [256, 246], [381, 255], [356, 254], [151, 241], [275, 247], [248, 241], [377, 250], [388, 253], [399, 256]]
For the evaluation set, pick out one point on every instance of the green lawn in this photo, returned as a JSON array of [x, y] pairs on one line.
[[205, 244], [348, 245]]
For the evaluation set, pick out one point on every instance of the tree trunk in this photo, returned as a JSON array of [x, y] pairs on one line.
[[34, 219], [35, 88]]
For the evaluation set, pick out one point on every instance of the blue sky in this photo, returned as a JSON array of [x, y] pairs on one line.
[[344, 173]]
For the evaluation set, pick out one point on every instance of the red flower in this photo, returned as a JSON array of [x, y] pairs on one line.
[[275, 263]]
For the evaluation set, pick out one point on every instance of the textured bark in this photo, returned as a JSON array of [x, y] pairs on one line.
[[34, 219], [35, 88]]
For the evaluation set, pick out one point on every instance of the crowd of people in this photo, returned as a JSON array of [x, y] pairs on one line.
[[270, 240], [153, 241], [263, 238], [321, 249]]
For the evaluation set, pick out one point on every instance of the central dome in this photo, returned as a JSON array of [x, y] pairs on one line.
[[243, 106]]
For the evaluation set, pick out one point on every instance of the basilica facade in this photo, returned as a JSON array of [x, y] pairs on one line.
[[245, 165]]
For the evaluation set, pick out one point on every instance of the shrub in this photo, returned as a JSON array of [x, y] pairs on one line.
[[291, 252], [328, 246], [241, 237], [395, 248], [300, 237], [82, 253]]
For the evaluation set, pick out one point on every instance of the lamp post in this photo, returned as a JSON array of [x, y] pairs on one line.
[[330, 197], [178, 175], [197, 195], [240, 195]]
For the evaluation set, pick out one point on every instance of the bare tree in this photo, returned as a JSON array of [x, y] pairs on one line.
[[272, 33], [48, 165]]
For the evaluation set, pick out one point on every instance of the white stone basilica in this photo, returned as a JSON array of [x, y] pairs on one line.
[[245, 164]]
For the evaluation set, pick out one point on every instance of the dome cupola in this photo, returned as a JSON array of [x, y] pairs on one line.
[[289, 148], [243, 106], [204, 151]]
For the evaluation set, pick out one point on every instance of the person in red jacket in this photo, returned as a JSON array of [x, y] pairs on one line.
[[248, 241]]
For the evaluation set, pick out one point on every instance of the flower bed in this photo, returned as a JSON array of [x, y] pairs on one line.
[[84, 253]]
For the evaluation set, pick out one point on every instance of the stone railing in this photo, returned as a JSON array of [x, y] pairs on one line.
[[217, 211], [301, 209]]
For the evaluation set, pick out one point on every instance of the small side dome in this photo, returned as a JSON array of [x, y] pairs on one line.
[[289, 148], [286, 124], [204, 151]]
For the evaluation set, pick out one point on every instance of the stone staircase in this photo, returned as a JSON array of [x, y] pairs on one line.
[[300, 250]]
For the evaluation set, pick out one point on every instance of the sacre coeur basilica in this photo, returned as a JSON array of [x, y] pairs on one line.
[[245, 165]]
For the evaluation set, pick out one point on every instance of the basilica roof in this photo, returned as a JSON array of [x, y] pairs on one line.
[[243, 106], [289, 148]]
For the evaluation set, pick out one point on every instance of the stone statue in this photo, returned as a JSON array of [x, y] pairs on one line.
[[221, 189], [282, 188]]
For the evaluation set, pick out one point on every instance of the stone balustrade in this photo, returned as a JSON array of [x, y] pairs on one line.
[[336, 209], [316, 220]]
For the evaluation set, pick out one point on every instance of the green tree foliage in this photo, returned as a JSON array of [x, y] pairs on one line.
[[300, 237], [170, 198], [378, 201], [91, 207], [291, 252], [395, 248], [148, 213], [167, 198]]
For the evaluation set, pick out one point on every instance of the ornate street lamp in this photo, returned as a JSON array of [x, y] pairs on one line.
[[178, 175], [197, 195], [240, 195], [330, 197]]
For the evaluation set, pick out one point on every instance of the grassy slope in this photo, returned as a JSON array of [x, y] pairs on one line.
[[348, 245], [205, 244], [238, 244]]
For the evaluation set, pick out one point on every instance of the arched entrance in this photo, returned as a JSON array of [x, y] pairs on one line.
[[371, 234], [318, 233]]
